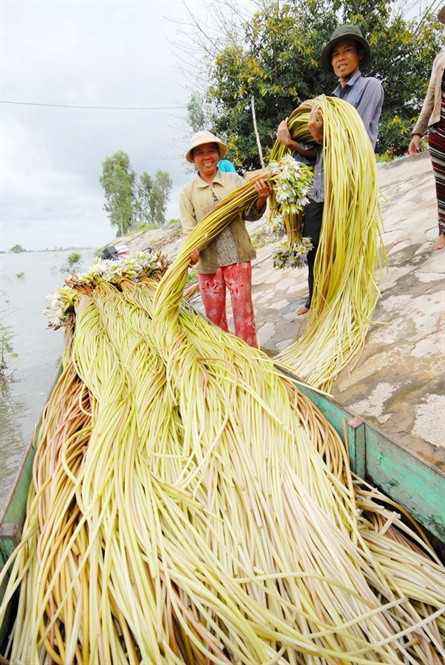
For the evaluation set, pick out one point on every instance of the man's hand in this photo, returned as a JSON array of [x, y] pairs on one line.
[[194, 257], [283, 133], [315, 124], [414, 145]]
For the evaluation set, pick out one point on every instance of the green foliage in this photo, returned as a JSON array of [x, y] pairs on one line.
[[144, 193], [129, 201], [196, 116], [192, 276], [159, 196], [73, 263], [174, 221], [74, 259], [152, 197], [279, 63], [20, 275], [17, 249], [148, 227], [118, 180], [6, 347], [260, 238], [387, 156]]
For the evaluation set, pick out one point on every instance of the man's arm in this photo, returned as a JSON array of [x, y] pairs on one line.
[[370, 108], [284, 136]]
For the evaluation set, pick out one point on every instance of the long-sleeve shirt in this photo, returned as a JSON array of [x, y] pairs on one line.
[[366, 95], [431, 109], [232, 245]]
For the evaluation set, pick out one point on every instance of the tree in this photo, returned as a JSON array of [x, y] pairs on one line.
[[17, 249], [196, 116], [128, 202], [144, 195], [159, 196], [277, 61], [118, 180], [74, 259]]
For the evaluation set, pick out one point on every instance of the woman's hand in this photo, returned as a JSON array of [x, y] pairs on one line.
[[262, 187], [283, 133], [263, 190], [414, 145], [315, 124], [194, 257]]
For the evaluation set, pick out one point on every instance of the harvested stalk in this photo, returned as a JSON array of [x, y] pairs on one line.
[[189, 505], [345, 290]]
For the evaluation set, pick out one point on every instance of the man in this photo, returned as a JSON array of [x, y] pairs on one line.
[[343, 55]]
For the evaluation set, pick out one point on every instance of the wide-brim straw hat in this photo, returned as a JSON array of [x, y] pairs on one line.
[[344, 32], [441, 15], [205, 137]]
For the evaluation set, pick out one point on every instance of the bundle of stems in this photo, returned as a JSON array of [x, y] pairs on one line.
[[298, 126], [345, 290], [189, 505], [289, 196]]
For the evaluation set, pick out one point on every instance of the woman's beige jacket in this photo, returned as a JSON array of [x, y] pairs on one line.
[[196, 200], [430, 113]]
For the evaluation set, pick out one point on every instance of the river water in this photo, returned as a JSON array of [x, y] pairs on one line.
[[30, 375]]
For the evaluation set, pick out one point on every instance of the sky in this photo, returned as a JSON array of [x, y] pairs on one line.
[[91, 53]]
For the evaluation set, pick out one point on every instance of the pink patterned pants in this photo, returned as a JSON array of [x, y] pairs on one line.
[[238, 279]]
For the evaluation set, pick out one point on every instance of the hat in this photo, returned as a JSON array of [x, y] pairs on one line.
[[441, 15], [205, 137], [344, 32]]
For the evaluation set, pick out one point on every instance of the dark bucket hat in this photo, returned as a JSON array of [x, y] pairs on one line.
[[344, 32]]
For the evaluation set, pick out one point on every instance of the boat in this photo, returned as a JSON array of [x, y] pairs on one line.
[[405, 477]]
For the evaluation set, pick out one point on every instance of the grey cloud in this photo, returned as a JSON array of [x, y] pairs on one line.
[[89, 54]]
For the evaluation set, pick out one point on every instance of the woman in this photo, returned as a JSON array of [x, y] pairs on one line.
[[226, 261], [432, 118]]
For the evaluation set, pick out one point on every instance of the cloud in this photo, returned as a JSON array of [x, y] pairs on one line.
[[99, 53]]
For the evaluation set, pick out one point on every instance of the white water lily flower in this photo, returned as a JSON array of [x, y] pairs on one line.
[[61, 302]]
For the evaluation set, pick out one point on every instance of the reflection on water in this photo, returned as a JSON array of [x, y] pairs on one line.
[[30, 376], [12, 412]]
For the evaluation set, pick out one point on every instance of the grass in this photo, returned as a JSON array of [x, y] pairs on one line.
[[261, 237], [148, 227]]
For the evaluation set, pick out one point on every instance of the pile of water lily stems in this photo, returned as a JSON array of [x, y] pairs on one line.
[[345, 290], [189, 505]]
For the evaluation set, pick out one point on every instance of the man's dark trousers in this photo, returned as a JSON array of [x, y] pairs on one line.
[[312, 228]]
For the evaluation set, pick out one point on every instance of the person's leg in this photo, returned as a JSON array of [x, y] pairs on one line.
[[312, 228], [238, 278], [213, 294], [437, 151]]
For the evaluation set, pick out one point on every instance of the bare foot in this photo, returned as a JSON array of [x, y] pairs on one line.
[[439, 243], [302, 310]]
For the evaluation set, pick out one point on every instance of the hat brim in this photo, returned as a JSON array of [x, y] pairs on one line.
[[222, 149], [441, 15], [326, 58]]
